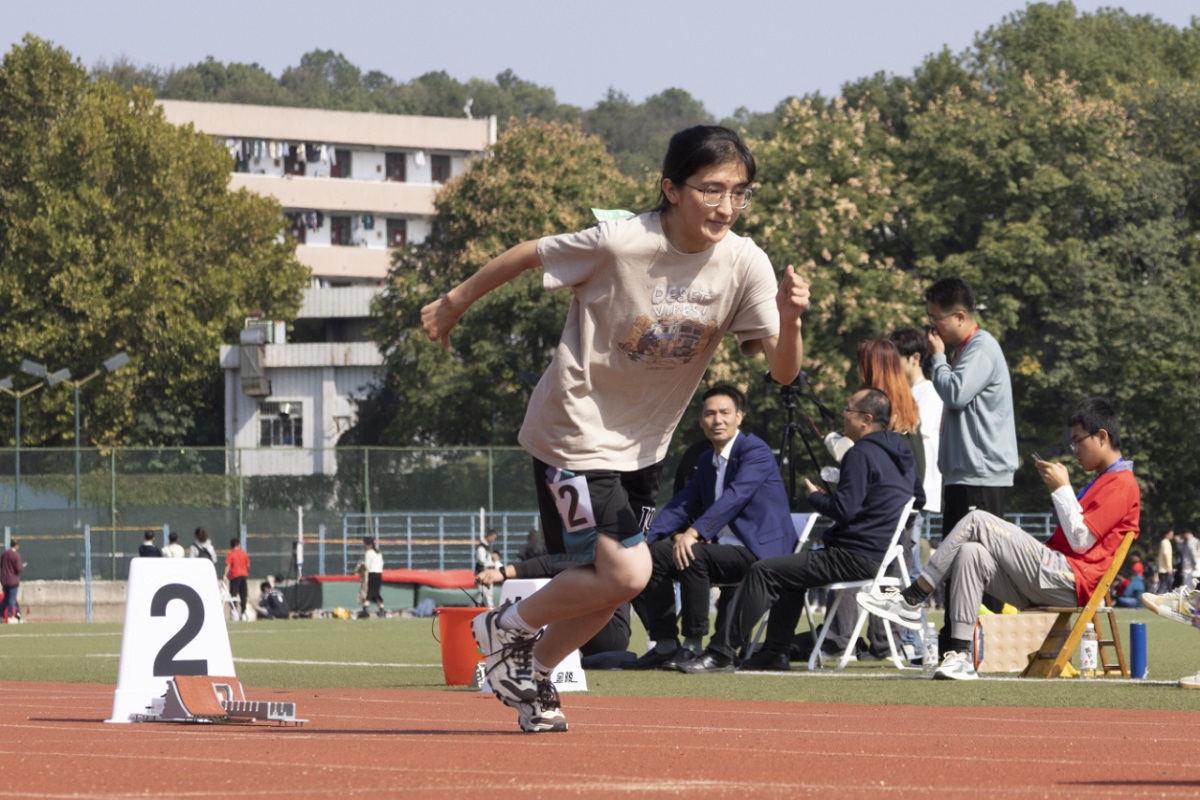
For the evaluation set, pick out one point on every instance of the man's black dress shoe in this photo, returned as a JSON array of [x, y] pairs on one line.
[[765, 660], [652, 660], [681, 656], [707, 662]]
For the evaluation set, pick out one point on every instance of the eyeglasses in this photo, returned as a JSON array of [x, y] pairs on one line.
[[849, 410], [1076, 442], [935, 320], [738, 198]]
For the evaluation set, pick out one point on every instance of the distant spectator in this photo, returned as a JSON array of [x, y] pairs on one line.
[[271, 602], [1189, 557], [373, 560], [1132, 587], [1166, 563], [11, 567], [483, 553], [202, 547], [148, 548], [174, 549], [237, 570]]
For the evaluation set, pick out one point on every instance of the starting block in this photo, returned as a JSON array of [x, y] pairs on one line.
[[213, 698], [174, 626]]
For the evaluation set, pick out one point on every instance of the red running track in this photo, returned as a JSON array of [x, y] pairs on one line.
[[455, 743]]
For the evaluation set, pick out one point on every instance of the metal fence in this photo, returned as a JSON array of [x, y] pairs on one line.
[[426, 507]]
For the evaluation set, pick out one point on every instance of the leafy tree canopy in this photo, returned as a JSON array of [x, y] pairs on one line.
[[118, 232]]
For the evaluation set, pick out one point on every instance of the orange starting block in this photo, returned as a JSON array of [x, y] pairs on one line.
[[213, 698]]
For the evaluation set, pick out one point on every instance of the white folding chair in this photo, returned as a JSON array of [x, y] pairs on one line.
[[895, 553], [804, 524]]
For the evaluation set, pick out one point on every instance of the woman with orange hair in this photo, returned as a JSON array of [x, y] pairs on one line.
[[879, 368]]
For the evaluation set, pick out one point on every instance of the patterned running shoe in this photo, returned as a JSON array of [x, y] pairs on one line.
[[542, 714], [508, 656], [1178, 605], [891, 605]]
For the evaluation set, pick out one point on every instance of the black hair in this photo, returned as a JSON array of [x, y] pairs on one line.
[[149, 536], [877, 404], [264, 586], [739, 399], [234, 542], [692, 149], [201, 534], [368, 541], [949, 294], [172, 537], [1095, 414], [909, 341]]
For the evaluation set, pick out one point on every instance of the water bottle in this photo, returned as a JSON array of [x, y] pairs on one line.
[[1089, 652], [929, 642]]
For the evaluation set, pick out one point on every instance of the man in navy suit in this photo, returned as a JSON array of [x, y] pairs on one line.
[[733, 512]]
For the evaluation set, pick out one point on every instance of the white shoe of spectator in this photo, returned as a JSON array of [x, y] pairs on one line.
[[1178, 605], [956, 667], [891, 605]]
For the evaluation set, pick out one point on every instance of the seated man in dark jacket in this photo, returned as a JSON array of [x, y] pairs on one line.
[[878, 477], [732, 512]]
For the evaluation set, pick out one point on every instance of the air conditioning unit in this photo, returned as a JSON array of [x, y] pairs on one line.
[[275, 330]]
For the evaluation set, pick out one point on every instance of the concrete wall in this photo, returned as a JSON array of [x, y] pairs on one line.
[[65, 601]]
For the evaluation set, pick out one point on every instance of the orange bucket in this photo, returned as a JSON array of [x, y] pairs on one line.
[[460, 654]]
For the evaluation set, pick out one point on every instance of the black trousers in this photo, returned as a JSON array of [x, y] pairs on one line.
[[713, 564], [957, 502], [785, 579]]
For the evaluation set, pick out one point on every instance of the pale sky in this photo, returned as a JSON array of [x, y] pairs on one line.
[[732, 53]]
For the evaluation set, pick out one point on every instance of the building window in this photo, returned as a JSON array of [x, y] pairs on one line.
[[439, 167], [291, 164], [281, 424], [339, 230], [397, 167], [299, 229], [397, 232], [341, 166]]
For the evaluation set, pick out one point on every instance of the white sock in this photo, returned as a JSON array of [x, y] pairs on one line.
[[511, 620], [540, 671]]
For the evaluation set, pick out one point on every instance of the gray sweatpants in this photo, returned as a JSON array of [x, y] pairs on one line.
[[987, 554]]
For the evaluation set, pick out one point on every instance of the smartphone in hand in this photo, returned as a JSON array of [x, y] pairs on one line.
[[1036, 458]]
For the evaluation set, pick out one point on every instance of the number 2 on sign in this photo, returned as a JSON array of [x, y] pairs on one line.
[[574, 503], [165, 663]]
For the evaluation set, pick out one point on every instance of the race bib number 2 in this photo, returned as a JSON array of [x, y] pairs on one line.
[[573, 502]]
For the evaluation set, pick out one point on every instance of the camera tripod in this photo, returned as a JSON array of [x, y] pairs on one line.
[[789, 395]]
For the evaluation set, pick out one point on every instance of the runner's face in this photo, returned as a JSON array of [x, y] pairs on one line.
[[697, 226], [720, 419]]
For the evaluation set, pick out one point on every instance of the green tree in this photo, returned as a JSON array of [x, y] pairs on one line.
[[542, 179], [637, 133], [827, 205], [118, 232], [211, 81], [1100, 51], [1076, 245]]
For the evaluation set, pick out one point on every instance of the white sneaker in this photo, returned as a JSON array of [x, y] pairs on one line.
[[1190, 682], [508, 657], [542, 714], [1178, 605], [892, 606], [956, 667]]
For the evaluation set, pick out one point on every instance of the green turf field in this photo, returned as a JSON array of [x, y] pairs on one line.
[[402, 654]]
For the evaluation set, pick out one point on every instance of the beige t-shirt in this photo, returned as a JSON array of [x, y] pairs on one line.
[[644, 323]]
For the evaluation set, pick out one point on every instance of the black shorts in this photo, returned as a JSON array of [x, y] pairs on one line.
[[580, 505], [374, 583]]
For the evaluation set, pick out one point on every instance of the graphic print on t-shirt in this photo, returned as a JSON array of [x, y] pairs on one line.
[[668, 341]]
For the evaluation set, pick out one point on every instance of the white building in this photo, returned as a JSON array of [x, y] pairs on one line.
[[354, 186]]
